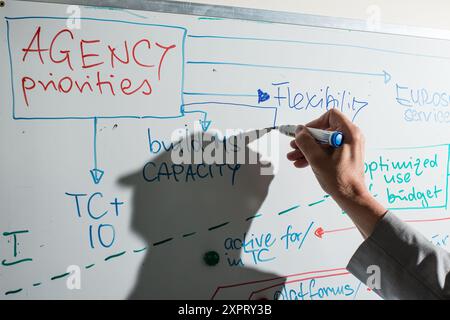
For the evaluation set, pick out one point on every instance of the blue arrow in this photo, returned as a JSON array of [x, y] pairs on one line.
[[203, 122], [385, 75], [262, 96], [96, 173]]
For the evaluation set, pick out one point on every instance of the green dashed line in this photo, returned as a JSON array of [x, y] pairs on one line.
[[253, 217], [163, 241], [7, 264], [7, 234], [189, 234], [13, 291], [288, 210], [317, 202], [209, 18], [155, 244], [115, 255], [218, 226], [60, 276]]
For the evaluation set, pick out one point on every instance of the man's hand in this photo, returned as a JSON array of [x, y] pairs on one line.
[[340, 171]]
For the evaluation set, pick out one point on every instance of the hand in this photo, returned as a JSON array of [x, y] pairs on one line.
[[339, 171]]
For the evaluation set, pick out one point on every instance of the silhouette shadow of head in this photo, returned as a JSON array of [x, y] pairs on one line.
[[183, 211]]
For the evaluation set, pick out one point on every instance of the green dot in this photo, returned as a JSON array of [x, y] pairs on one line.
[[211, 258]]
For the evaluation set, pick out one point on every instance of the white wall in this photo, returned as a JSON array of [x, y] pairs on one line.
[[419, 13]]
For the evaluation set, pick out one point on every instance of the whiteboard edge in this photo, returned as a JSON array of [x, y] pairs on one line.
[[229, 12]]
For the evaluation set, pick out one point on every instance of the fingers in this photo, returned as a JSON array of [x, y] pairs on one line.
[[338, 121], [322, 122], [295, 155], [333, 119], [311, 150], [306, 149], [299, 128], [301, 163]]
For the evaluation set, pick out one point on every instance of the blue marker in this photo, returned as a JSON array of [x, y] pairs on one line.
[[333, 138]]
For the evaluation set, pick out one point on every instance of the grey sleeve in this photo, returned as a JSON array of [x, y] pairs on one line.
[[411, 267]]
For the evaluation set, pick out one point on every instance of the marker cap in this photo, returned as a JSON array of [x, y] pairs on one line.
[[336, 139]]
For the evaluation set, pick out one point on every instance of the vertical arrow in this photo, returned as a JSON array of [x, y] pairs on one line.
[[96, 173], [205, 123]]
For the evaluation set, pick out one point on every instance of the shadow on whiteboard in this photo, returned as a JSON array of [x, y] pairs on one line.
[[185, 211]]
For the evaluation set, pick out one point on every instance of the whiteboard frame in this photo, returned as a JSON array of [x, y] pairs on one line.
[[240, 13]]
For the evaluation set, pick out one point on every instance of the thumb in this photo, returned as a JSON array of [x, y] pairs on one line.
[[312, 151]]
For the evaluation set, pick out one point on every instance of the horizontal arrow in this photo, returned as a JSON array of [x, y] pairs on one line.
[[220, 94], [319, 232], [383, 74]]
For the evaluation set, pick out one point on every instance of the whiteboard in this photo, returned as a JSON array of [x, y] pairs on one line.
[[92, 206]]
